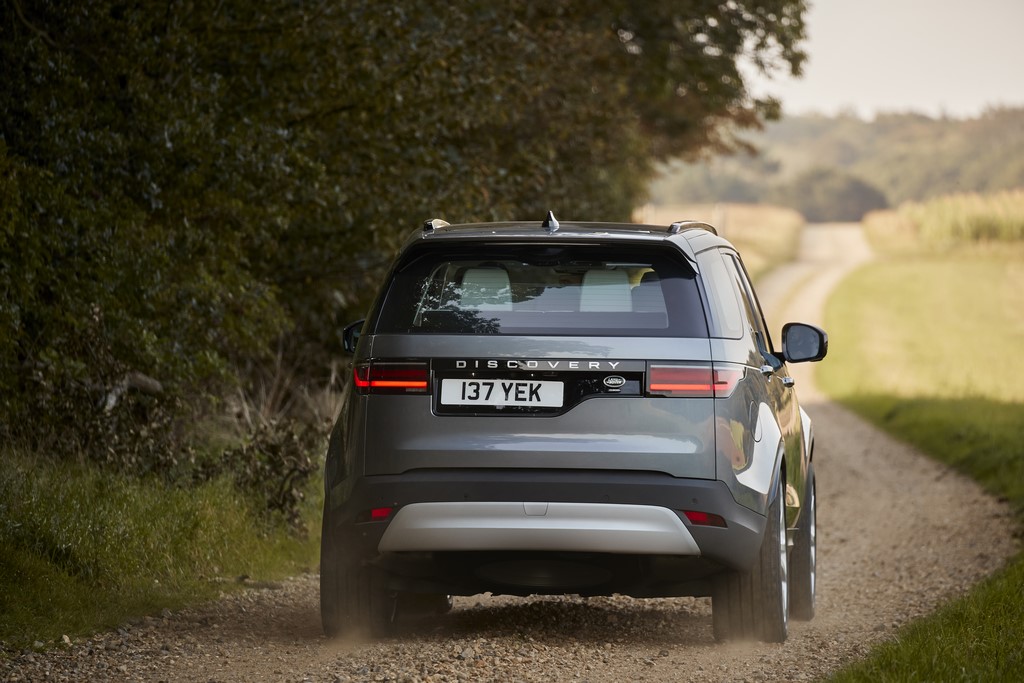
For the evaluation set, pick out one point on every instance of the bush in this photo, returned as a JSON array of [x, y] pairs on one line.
[[183, 187], [79, 549]]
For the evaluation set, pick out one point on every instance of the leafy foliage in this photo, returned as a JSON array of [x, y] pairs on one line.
[[84, 549], [275, 464], [186, 182]]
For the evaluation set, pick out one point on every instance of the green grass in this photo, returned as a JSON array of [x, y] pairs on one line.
[[931, 349], [82, 550], [977, 638], [982, 438]]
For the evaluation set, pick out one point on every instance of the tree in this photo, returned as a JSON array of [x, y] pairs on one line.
[[192, 179], [829, 194]]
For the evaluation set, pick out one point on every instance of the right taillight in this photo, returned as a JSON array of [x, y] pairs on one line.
[[392, 378], [691, 381]]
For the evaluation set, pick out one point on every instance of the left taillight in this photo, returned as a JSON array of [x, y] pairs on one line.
[[391, 378]]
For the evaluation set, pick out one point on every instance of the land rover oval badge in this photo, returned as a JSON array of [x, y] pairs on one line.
[[614, 381]]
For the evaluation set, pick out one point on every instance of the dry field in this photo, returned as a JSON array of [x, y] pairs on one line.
[[767, 236]]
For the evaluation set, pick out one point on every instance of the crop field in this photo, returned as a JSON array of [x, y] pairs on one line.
[[947, 222], [766, 235]]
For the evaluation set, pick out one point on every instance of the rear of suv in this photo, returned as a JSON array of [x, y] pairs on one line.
[[584, 408]]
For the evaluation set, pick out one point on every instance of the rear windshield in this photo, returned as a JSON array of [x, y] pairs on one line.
[[544, 290]]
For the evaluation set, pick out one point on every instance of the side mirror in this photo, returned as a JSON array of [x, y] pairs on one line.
[[350, 335], [802, 343]]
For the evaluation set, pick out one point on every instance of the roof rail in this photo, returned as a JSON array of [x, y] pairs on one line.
[[434, 224], [678, 226]]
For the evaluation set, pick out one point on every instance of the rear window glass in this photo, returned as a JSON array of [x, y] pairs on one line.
[[544, 290]]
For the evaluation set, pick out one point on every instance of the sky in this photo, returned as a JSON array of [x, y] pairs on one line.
[[935, 57]]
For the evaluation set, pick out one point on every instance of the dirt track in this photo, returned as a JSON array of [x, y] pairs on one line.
[[898, 534]]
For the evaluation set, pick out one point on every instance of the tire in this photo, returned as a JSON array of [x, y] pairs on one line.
[[353, 597], [755, 603], [804, 561]]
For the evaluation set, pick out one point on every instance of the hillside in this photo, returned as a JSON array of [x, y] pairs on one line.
[[889, 160]]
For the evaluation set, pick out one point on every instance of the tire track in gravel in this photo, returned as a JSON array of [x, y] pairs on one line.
[[898, 534]]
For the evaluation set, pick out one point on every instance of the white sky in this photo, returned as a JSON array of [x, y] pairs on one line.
[[931, 56]]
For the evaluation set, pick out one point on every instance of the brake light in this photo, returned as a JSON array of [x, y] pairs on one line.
[[675, 380], [726, 381], [692, 381], [391, 378]]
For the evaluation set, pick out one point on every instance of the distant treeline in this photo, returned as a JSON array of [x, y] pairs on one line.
[[838, 168]]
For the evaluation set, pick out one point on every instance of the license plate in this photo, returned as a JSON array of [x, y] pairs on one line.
[[501, 392]]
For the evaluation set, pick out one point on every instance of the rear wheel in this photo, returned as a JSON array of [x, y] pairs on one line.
[[755, 603], [353, 597], [804, 560]]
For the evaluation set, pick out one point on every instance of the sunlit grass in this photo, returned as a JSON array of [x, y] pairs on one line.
[[81, 549], [928, 346], [944, 327]]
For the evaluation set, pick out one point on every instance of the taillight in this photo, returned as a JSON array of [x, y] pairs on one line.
[[392, 378], [692, 381]]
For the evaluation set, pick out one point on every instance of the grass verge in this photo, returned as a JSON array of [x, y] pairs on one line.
[[928, 347], [82, 550]]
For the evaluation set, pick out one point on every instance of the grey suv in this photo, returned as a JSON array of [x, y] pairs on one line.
[[586, 408]]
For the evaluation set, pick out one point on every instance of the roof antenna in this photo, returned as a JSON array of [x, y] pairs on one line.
[[433, 224], [550, 223]]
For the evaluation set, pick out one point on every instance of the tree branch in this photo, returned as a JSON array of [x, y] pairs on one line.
[[39, 32]]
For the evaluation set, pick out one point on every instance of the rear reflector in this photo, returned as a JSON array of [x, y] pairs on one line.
[[704, 518], [374, 515], [692, 381], [378, 514], [392, 378]]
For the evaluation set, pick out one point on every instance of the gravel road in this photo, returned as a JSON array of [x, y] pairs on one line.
[[898, 535]]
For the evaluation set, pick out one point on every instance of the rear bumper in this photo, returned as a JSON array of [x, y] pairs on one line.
[[448, 529], [557, 527]]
